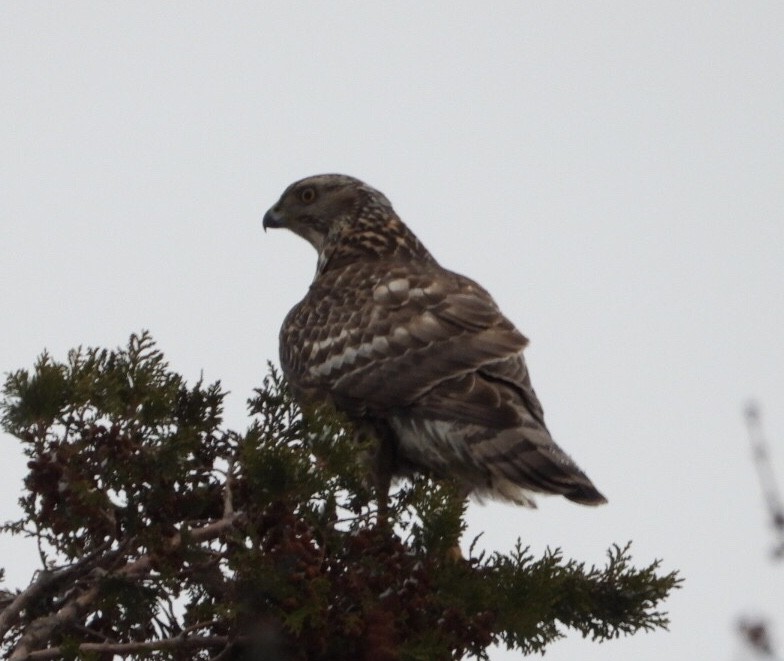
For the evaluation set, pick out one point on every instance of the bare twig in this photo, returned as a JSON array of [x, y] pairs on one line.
[[228, 501], [756, 634], [766, 475]]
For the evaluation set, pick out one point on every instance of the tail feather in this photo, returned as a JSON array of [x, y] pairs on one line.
[[508, 464]]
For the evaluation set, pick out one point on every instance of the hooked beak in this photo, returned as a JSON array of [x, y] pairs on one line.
[[272, 219]]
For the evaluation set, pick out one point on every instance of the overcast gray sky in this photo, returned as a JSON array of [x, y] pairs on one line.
[[613, 172]]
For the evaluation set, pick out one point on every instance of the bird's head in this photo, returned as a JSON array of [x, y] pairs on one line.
[[343, 219]]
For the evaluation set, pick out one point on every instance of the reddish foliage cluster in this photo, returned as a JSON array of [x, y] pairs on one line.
[[360, 595]]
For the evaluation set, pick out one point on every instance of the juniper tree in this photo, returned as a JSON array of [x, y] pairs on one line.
[[164, 535]]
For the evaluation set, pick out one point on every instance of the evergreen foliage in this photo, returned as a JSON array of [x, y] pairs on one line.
[[164, 535]]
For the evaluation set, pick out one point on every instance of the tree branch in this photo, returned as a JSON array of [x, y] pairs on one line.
[[41, 629], [44, 580], [177, 642]]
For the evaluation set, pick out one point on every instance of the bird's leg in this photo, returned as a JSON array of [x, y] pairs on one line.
[[384, 461], [379, 460], [382, 479], [455, 553]]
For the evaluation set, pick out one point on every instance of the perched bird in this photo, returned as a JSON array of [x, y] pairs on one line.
[[417, 355]]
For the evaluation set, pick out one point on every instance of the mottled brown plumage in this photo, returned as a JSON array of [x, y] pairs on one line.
[[420, 356]]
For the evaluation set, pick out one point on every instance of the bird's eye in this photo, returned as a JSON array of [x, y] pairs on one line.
[[307, 195]]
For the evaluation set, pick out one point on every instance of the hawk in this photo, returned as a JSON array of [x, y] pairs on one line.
[[419, 356]]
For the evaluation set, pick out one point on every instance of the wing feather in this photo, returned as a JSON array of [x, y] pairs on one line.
[[400, 332]]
